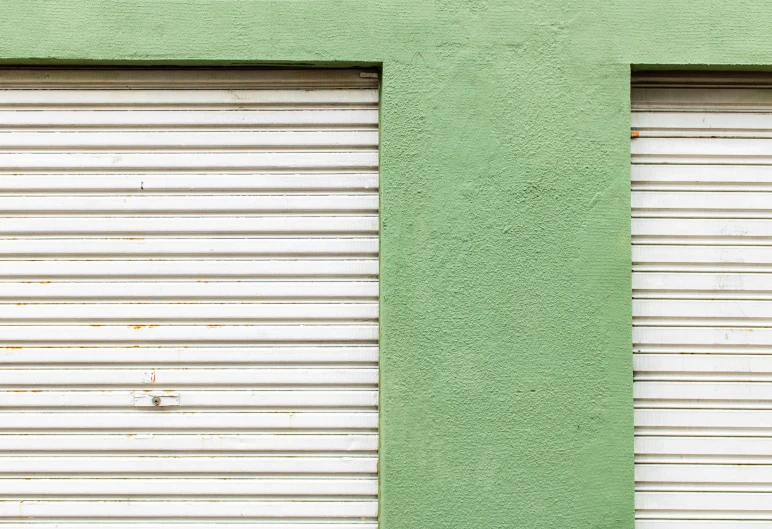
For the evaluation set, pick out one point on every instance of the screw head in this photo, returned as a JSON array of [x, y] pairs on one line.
[[156, 401]]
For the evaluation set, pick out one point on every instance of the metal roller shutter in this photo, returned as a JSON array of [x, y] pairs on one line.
[[702, 300], [188, 298]]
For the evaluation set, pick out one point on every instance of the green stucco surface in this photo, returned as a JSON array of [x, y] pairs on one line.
[[506, 356]]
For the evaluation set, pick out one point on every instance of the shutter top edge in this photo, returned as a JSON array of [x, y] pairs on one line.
[[700, 79], [178, 78]]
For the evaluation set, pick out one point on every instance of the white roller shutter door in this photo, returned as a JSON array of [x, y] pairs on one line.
[[188, 298], [702, 300]]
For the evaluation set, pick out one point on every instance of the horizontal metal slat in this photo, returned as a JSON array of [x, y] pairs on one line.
[[653, 285], [160, 443], [190, 465], [213, 524], [181, 420], [213, 98], [713, 257], [700, 79], [703, 395], [229, 205], [137, 291], [77, 313], [311, 354], [200, 509], [184, 334], [701, 231], [700, 147], [692, 524], [703, 367], [159, 161], [699, 175], [703, 478], [194, 399], [704, 505], [187, 182], [703, 450], [165, 119], [169, 487], [706, 336], [699, 204], [706, 313], [187, 226], [166, 377], [195, 271], [726, 99], [744, 422], [707, 124], [174, 247], [188, 141]]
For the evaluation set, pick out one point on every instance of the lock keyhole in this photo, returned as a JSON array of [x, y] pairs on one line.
[[156, 401]]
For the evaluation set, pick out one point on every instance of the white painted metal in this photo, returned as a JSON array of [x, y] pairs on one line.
[[702, 300], [188, 298]]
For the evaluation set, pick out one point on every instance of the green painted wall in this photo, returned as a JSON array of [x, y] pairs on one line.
[[506, 357]]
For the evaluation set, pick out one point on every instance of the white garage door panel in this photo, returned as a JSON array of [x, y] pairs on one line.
[[702, 300], [203, 235]]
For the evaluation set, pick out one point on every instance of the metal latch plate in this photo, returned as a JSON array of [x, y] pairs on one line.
[[156, 400]]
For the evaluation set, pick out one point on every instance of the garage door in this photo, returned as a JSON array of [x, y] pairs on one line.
[[702, 300], [188, 298]]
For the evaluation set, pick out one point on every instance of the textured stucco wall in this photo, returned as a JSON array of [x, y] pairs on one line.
[[506, 357]]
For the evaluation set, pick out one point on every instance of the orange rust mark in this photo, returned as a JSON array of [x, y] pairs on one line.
[[635, 134], [45, 282]]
